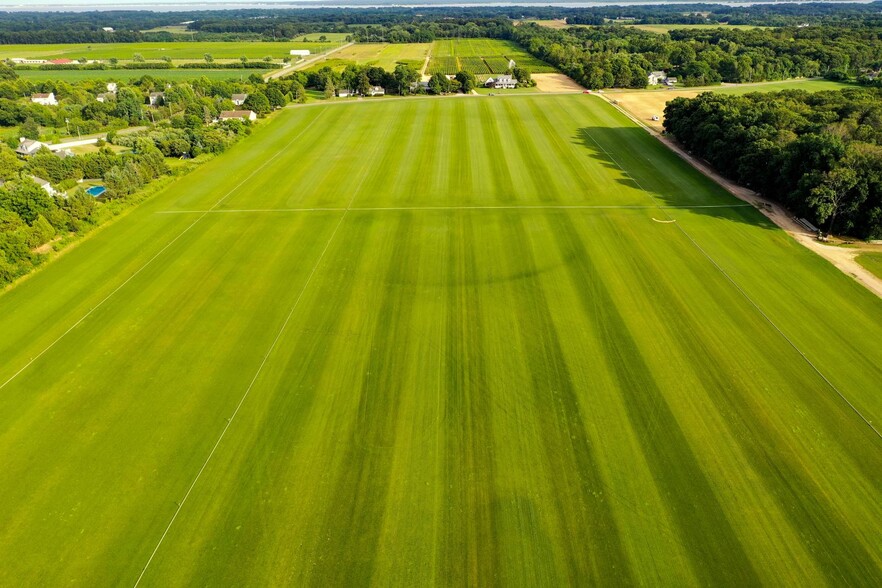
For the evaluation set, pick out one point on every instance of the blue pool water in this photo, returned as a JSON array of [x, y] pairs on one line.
[[96, 191]]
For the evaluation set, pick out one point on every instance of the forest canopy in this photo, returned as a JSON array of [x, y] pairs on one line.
[[820, 154]]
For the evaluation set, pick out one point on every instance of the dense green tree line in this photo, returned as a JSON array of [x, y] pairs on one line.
[[394, 23], [820, 153], [613, 56]]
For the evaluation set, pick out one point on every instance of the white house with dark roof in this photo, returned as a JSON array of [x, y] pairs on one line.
[[656, 77], [45, 185], [501, 82], [44, 99], [239, 99], [378, 91], [28, 147], [156, 98]]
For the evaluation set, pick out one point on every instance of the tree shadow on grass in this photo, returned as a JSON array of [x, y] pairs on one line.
[[644, 164]]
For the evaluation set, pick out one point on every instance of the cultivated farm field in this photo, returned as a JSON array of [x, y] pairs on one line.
[[481, 56], [446, 341], [385, 55]]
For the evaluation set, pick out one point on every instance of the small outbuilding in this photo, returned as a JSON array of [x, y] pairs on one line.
[[300, 52], [239, 99], [238, 115]]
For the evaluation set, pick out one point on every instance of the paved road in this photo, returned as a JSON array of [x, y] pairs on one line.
[[90, 139]]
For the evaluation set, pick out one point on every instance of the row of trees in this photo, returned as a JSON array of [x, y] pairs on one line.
[[820, 153], [615, 56]]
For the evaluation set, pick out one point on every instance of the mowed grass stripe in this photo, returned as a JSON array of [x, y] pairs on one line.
[[746, 413], [494, 158], [586, 516], [97, 407], [554, 392], [706, 531]]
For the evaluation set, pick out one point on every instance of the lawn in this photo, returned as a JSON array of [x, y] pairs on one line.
[[644, 104], [872, 262], [481, 56], [180, 50], [385, 55], [134, 74], [441, 342]]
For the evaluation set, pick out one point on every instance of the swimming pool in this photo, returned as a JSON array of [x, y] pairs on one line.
[[96, 191]]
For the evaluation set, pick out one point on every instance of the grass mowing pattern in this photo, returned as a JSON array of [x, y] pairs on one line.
[[499, 393]]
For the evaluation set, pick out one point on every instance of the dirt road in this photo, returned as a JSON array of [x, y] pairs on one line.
[[303, 64], [842, 258]]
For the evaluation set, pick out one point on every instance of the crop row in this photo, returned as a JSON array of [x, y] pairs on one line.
[[474, 65]]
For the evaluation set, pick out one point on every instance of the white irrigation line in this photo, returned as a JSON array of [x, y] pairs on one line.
[[442, 208], [266, 356], [746, 296], [203, 214]]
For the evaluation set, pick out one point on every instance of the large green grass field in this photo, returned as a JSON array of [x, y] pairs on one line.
[[186, 50], [449, 341]]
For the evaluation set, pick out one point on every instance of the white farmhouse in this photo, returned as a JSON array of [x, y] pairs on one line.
[[300, 52], [501, 82], [44, 99], [656, 77], [239, 99]]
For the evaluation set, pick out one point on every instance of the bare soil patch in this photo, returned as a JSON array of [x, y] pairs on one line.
[[555, 82]]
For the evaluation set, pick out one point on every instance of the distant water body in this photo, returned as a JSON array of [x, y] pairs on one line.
[[182, 5]]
